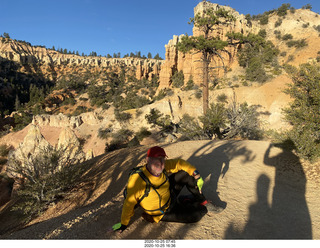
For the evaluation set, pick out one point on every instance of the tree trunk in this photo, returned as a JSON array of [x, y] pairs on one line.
[[205, 89]]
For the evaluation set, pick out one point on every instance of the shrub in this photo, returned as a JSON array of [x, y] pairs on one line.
[[79, 110], [307, 6], [264, 20], [156, 118], [4, 150], [21, 120], [255, 70], [305, 25], [198, 94], [304, 112], [104, 133], [243, 121], [47, 176], [177, 79], [190, 129], [120, 139], [287, 37], [282, 11], [153, 117], [143, 133], [236, 121], [317, 28], [122, 116], [297, 43], [214, 120], [189, 84], [278, 23], [255, 55], [263, 33], [222, 98]]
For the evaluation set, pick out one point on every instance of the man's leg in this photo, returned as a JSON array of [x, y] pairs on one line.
[[179, 180], [185, 213], [195, 211]]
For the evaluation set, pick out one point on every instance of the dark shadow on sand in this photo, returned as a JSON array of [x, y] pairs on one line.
[[288, 216]]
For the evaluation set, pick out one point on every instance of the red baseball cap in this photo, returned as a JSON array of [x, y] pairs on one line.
[[156, 152]]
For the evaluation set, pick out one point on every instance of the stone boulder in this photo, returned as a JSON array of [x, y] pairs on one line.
[[70, 144], [59, 120], [33, 144]]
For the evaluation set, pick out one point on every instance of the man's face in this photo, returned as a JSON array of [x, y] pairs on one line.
[[156, 165]]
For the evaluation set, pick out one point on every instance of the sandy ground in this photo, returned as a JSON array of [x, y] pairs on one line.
[[269, 193]]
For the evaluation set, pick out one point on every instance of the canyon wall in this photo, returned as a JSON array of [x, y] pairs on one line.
[[25, 54]]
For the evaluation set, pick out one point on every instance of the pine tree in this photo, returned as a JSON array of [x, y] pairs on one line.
[[207, 45], [17, 103], [304, 112]]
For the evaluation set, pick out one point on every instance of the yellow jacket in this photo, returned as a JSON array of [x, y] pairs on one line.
[[136, 188]]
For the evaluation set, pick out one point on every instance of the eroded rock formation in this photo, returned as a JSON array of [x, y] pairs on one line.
[[25, 54], [190, 63]]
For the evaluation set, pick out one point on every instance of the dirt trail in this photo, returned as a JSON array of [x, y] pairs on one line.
[[268, 194]]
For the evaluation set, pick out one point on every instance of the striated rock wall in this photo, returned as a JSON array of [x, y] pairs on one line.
[[24, 54]]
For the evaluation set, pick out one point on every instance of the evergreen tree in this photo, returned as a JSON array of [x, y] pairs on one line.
[[6, 35], [157, 56], [207, 45], [17, 103], [304, 112]]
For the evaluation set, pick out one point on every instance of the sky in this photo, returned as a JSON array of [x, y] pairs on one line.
[[108, 26]]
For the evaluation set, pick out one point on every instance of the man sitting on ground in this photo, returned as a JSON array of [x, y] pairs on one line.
[[166, 178]]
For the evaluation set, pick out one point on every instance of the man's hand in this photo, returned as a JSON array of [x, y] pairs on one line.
[[118, 228], [200, 183]]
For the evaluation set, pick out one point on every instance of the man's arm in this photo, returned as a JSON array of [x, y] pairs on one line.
[[175, 165], [134, 189]]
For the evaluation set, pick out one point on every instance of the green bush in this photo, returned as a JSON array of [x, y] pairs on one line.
[[190, 129], [48, 175], [304, 112], [177, 79], [189, 84], [79, 110], [104, 133], [222, 98], [255, 70], [287, 37], [264, 20], [317, 28], [122, 116], [214, 120], [236, 121], [282, 11], [120, 139], [143, 133], [278, 23], [198, 93], [297, 43], [21, 120], [255, 55], [4, 150], [156, 118]]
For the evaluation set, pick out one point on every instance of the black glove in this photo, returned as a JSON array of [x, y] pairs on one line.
[[119, 227]]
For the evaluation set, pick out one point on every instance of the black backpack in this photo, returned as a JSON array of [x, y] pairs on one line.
[[148, 186]]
